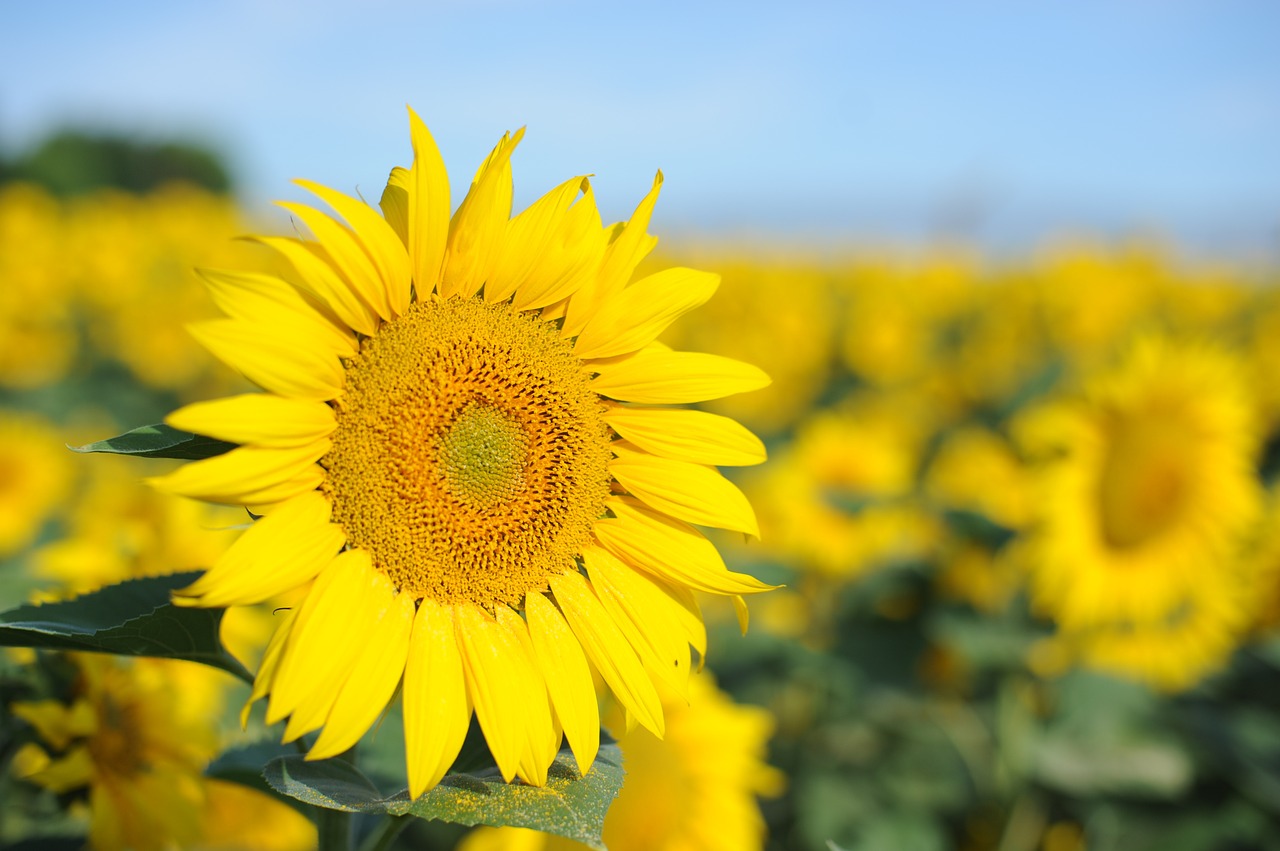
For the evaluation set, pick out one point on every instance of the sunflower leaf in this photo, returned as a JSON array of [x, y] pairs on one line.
[[159, 441], [131, 618], [569, 805]]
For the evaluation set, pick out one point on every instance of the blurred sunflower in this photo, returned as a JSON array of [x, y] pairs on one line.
[[35, 474], [1147, 491], [693, 790], [135, 738], [459, 419]]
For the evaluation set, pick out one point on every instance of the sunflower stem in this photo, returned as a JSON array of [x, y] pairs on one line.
[[334, 826], [334, 829], [382, 838]]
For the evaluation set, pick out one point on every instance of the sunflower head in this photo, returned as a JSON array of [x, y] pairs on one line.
[[467, 450], [1147, 495]]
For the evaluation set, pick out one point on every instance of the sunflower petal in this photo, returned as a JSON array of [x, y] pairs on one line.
[[279, 360], [608, 649], [259, 419], [437, 710], [630, 243], [541, 736], [636, 316], [564, 666], [429, 206], [685, 435], [379, 241], [644, 615], [347, 251], [669, 549], [317, 276], [477, 229], [660, 377], [283, 550], [249, 475], [374, 678], [395, 203], [694, 493], [270, 662], [320, 650], [273, 302]]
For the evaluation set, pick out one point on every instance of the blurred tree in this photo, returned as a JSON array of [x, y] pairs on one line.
[[72, 162]]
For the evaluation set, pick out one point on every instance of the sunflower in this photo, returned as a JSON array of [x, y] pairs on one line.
[[463, 450], [35, 475], [1148, 492], [133, 740], [695, 790]]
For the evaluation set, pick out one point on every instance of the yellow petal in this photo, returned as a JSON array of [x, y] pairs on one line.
[[260, 419], [323, 642], [56, 722], [249, 475], [608, 649], [550, 250], [645, 616], [437, 711], [348, 254], [635, 317], [477, 230], [568, 677], [628, 246], [429, 206], [270, 663], [317, 275], [669, 549], [379, 241], [273, 302], [658, 377], [283, 550], [744, 614], [541, 736], [73, 770], [395, 203], [685, 435], [694, 493], [495, 664], [280, 360], [374, 678]]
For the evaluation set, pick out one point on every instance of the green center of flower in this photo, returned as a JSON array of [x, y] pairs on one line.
[[483, 456]]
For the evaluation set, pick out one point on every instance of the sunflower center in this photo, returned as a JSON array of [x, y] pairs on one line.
[[483, 456], [1145, 480], [470, 457]]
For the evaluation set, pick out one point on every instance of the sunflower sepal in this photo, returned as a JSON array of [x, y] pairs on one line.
[[159, 441], [569, 805], [131, 618]]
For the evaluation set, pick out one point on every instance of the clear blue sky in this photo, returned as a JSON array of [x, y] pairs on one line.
[[868, 118]]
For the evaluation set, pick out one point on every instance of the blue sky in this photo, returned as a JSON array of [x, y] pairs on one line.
[[1003, 121]]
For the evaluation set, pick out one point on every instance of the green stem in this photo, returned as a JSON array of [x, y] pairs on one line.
[[382, 838], [334, 829], [334, 826]]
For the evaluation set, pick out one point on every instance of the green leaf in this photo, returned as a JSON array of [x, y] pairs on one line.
[[159, 441], [132, 618], [569, 805]]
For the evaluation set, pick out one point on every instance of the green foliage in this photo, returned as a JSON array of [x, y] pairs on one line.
[[159, 441], [569, 805], [133, 618], [74, 162]]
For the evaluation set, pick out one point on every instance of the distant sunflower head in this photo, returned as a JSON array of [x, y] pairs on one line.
[[466, 447], [1147, 492]]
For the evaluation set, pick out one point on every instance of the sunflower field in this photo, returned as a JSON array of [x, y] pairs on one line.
[[1016, 582]]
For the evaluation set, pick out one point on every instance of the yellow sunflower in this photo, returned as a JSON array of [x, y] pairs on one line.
[[134, 738], [35, 475], [463, 449], [1148, 492], [695, 790]]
